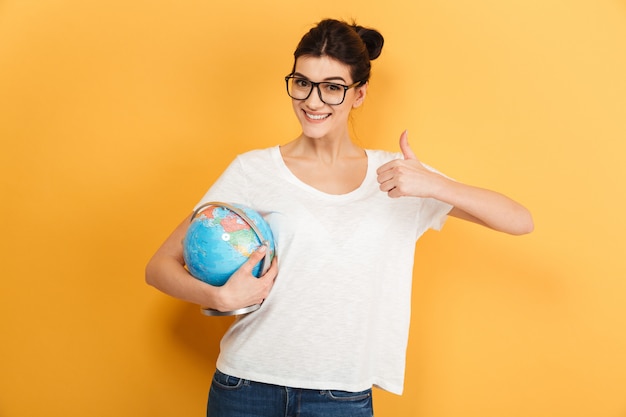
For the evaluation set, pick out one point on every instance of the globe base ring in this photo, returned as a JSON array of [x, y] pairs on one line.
[[239, 311]]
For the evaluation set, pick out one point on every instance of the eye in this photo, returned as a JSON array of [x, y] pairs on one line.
[[301, 82], [333, 88]]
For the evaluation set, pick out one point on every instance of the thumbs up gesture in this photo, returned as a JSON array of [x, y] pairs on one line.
[[407, 177]]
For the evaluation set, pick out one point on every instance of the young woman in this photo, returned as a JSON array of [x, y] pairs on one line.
[[334, 321]]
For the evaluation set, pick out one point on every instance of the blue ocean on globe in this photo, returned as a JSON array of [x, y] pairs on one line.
[[219, 241]]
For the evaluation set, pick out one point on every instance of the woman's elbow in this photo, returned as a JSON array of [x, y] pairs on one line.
[[524, 224], [150, 273]]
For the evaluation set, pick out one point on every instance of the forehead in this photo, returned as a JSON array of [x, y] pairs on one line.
[[323, 68]]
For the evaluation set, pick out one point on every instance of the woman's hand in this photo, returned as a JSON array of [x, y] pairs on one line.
[[408, 177], [244, 289]]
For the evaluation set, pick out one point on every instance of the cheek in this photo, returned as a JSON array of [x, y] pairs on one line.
[[343, 114], [295, 106]]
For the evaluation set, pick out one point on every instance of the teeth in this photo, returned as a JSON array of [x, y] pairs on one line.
[[317, 116]]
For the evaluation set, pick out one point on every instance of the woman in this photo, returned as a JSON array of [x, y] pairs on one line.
[[335, 321]]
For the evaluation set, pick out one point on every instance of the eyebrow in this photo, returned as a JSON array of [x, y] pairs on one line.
[[328, 79]]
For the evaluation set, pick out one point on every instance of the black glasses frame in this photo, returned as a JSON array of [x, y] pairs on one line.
[[319, 92]]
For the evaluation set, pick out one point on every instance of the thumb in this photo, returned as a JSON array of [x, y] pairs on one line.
[[404, 146], [256, 257]]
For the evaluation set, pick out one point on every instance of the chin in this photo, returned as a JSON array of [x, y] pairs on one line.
[[314, 133], [314, 129]]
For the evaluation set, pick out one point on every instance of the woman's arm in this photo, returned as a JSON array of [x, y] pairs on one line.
[[166, 272], [408, 177], [487, 208]]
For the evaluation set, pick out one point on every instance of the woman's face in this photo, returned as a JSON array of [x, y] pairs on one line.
[[318, 119]]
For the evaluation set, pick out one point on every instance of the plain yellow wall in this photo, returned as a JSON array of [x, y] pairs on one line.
[[115, 117]]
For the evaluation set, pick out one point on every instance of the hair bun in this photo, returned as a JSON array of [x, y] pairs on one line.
[[372, 39]]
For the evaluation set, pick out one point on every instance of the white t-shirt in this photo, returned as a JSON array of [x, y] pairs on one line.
[[338, 314]]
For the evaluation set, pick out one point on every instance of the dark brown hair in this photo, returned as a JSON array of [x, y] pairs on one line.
[[350, 44]]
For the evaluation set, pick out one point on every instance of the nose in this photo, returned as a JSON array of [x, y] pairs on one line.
[[314, 100]]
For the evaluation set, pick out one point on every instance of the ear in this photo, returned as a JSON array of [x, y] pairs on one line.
[[359, 97]]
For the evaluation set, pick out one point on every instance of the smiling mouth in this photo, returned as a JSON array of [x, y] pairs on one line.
[[317, 116]]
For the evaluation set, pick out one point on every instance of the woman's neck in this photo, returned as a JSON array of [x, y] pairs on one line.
[[325, 150], [333, 167]]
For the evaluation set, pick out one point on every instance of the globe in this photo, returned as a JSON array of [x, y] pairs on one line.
[[221, 237]]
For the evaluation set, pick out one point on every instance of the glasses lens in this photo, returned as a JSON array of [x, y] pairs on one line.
[[332, 93], [299, 88]]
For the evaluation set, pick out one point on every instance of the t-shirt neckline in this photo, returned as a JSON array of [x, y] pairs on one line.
[[291, 177]]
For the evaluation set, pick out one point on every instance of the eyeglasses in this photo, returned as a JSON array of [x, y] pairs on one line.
[[333, 94]]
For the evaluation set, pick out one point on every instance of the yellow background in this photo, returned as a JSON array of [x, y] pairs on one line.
[[115, 117]]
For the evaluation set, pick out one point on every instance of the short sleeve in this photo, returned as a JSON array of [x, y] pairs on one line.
[[433, 213]]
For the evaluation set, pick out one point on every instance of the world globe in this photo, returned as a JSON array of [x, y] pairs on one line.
[[221, 237]]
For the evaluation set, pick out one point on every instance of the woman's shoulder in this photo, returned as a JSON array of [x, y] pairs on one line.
[[258, 155], [381, 156]]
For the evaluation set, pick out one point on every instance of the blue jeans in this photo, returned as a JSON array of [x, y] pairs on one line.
[[236, 397]]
